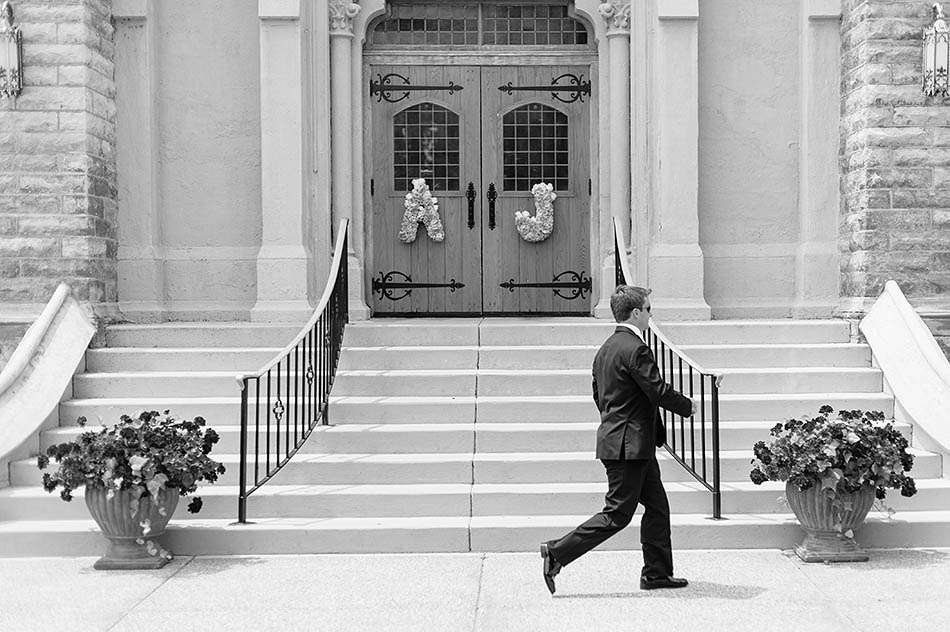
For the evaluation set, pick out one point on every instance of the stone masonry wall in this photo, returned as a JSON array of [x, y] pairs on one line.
[[895, 160], [57, 156]]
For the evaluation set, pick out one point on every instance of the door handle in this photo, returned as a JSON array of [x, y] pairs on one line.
[[492, 196], [471, 205]]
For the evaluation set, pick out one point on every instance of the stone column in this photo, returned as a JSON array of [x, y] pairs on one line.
[[816, 287], [282, 259], [342, 108], [617, 17], [676, 267], [141, 254]]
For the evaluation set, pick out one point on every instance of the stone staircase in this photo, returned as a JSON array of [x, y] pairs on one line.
[[462, 434]]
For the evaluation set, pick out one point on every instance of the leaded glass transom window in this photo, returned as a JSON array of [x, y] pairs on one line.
[[426, 22], [534, 138], [426, 145]]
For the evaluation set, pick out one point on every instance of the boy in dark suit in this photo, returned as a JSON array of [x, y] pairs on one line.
[[628, 391]]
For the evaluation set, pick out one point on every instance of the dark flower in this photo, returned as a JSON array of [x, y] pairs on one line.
[[826, 409], [908, 487], [758, 477], [195, 505], [880, 493]]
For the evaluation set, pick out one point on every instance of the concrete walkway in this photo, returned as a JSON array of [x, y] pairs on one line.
[[771, 590]]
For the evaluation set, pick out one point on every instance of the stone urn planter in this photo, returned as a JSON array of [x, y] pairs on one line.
[[128, 548], [827, 527]]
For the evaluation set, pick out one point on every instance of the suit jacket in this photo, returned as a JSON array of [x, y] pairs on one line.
[[628, 391]]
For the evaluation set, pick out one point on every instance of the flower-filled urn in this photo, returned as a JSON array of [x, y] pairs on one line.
[[11, 54], [936, 54]]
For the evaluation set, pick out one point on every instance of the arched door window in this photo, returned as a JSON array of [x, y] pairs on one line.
[[535, 147], [426, 145]]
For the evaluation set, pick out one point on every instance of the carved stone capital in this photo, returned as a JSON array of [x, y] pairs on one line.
[[617, 16], [342, 13]]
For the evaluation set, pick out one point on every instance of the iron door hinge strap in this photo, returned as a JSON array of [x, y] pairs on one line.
[[382, 87], [388, 284], [576, 86], [578, 286]]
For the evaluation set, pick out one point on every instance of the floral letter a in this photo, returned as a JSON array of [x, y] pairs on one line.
[[539, 227], [421, 207]]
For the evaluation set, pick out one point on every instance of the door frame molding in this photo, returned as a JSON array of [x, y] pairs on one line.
[[372, 9]]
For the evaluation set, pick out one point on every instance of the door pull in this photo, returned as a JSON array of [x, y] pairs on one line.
[[492, 196], [470, 194]]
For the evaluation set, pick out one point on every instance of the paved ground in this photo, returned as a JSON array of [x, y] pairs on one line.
[[905, 590]]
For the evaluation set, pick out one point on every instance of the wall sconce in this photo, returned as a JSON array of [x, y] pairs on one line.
[[936, 54], [11, 54]]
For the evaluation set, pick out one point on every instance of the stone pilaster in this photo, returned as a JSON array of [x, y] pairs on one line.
[[57, 158], [141, 253], [895, 157], [816, 289], [282, 261], [676, 265]]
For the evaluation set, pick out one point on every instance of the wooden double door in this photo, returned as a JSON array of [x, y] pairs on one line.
[[481, 137]]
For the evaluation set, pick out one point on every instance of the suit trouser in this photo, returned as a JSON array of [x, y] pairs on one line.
[[628, 483]]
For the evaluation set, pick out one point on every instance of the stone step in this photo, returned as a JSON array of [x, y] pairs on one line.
[[726, 356], [363, 501], [202, 334], [227, 410], [490, 383], [342, 439], [325, 469], [157, 384], [417, 410], [387, 332], [698, 531], [287, 501], [403, 357], [140, 359], [450, 438], [436, 383], [832, 354], [568, 331], [732, 407], [498, 467], [553, 499], [265, 535], [582, 467], [581, 436], [108, 410], [512, 383]]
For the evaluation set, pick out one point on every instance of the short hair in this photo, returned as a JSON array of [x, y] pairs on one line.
[[625, 299]]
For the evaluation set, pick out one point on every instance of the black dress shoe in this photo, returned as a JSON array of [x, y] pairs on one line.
[[662, 582], [551, 567]]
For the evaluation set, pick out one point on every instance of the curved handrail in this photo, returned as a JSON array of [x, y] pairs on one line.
[[283, 402], [665, 349], [338, 254], [654, 327], [23, 354]]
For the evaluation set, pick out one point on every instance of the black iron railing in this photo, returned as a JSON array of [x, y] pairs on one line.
[[694, 444], [283, 402]]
